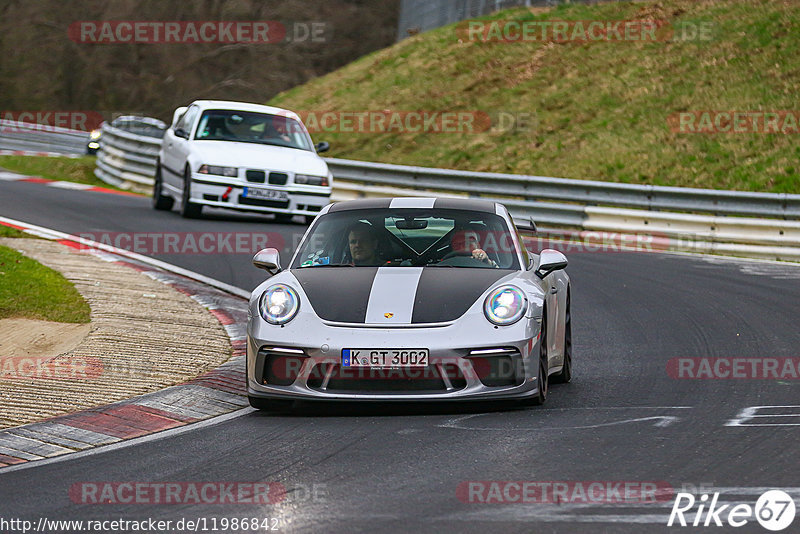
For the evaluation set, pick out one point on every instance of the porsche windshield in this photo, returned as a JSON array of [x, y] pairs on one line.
[[409, 238], [249, 127]]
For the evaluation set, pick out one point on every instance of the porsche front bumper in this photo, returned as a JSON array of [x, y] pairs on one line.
[[463, 364]]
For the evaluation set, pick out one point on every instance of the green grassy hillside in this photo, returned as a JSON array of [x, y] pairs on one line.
[[599, 110]]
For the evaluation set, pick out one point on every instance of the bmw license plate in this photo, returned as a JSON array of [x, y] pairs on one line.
[[265, 194], [386, 358]]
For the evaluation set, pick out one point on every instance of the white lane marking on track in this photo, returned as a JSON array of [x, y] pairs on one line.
[[70, 185], [660, 421], [40, 154], [751, 413], [779, 270], [570, 512], [664, 420], [131, 442]]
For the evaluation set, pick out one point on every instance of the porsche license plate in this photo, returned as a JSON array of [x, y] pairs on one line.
[[265, 194], [385, 358]]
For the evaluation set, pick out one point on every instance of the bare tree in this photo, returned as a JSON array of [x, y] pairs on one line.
[[43, 69]]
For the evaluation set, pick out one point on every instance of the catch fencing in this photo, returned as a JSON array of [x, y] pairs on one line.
[[422, 15]]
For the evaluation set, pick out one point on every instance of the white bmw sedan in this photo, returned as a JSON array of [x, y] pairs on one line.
[[240, 156]]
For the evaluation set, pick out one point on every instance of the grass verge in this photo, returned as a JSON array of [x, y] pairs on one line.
[[78, 170], [7, 231], [29, 289]]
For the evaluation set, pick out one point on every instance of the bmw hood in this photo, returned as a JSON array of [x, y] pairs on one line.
[[394, 295], [255, 156]]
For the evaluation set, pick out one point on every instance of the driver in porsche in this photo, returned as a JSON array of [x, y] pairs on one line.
[[466, 242]]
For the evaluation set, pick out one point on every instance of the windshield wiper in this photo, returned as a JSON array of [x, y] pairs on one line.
[[327, 265], [282, 145]]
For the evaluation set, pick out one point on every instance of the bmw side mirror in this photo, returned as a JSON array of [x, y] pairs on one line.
[[177, 114], [324, 146], [550, 260], [180, 132], [268, 259]]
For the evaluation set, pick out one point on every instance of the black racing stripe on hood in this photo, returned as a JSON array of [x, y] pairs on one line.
[[338, 293], [446, 294], [361, 204]]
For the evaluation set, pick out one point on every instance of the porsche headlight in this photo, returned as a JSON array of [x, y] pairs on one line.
[[505, 305], [95, 134], [279, 304]]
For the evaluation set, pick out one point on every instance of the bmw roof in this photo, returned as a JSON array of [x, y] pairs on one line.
[[243, 106]]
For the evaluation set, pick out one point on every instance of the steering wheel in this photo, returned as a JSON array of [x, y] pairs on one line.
[[456, 253]]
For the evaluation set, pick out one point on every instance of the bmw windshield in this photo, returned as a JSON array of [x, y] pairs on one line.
[[249, 127]]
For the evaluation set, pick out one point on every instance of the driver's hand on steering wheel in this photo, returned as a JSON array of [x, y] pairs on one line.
[[480, 255]]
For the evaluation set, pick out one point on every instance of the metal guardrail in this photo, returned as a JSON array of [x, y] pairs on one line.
[[19, 135], [528, 192], [126, 159], [763, 225]]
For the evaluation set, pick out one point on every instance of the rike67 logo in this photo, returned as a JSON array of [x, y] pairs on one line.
[[774, 510]]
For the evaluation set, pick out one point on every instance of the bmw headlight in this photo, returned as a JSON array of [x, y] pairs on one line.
[[95, 134], [230, 172], [310, 180], [505, 305], [279, 304]]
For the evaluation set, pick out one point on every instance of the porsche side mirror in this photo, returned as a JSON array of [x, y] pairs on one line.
[[180, 132], [268, 259], [324, 146], [550, 260]]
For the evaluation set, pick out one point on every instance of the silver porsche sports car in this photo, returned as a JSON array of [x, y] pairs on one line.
[[409, 299]]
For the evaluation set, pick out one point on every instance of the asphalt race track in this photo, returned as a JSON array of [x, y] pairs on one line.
[[382, 468]]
